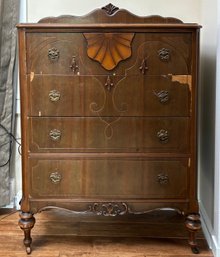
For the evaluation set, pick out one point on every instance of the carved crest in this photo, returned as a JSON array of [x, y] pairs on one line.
[[109, 48], [109, 209], [110, 9]]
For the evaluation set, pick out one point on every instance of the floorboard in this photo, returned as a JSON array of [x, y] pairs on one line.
[[63, 234]]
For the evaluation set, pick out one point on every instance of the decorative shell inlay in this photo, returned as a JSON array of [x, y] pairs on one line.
[[109, 48]]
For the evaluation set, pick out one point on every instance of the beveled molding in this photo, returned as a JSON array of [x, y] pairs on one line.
[[109, 209]]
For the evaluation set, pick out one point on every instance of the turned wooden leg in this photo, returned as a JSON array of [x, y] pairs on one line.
[[26, 223], [193, 224]]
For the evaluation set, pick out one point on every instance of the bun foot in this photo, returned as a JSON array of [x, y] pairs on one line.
[[28, 250], [195, 249]]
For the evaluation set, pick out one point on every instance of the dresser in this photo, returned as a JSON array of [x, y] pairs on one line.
[[108, 116]]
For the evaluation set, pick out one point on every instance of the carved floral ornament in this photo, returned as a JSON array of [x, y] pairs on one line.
[[109, 48], [110, 9]]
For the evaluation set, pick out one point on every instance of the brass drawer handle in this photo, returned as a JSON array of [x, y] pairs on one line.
[[109, 84], [164, 54], [163, 136], [55, 134], [143, 68], [163, 96], [162, 179], [55, 177], [53, 54], [54, 95], [74, 66]]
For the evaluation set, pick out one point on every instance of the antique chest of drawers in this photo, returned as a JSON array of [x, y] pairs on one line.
[[108, 108]]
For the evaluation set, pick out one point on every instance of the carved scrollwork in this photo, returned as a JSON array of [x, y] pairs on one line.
[[54, 95], [143, 68], [164, 54], [53, 54], [163, 179], [163, 136], [109, 209], [55, 134], [163, 96], [110, 9], [55, 177]]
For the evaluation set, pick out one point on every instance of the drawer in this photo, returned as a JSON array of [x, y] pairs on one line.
[[153, 95], [109, 134], [74, 53], [109, 178], [52, 53], [162, 54], [127, 96]]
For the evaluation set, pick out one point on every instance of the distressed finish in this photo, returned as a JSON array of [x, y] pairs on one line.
[[108, 106]]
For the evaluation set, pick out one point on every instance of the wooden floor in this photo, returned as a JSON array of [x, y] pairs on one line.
[[62, 234]]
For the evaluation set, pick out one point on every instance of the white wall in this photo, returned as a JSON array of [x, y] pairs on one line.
[[207, 109], [199, 11], [216, 226], [187, 10]]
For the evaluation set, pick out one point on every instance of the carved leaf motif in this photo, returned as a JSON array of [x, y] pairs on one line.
[[110, 9], [109, 48]]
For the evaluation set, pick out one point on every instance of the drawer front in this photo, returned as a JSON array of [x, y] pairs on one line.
[[73, 54], [161, 54], [55, 53], [101, 134], [109, 95], [105, 178]]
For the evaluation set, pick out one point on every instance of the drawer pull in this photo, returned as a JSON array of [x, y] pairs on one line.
[[55, 134], [53, 54], [109, 84], [162, 179], [74, 66], [143, 68], [163, 96], [55, 177], [54, 95], [164, 54], [163, 136]]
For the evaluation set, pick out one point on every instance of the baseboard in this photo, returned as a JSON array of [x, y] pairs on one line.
[[17, 200], [208, 231]]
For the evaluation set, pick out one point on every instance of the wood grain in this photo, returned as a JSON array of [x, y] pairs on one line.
[[123, 101], [62, 234]]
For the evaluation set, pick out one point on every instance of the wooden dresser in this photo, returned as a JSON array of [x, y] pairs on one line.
[[108, 115]]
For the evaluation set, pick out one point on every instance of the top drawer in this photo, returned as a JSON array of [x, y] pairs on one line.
[[108, 53]]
